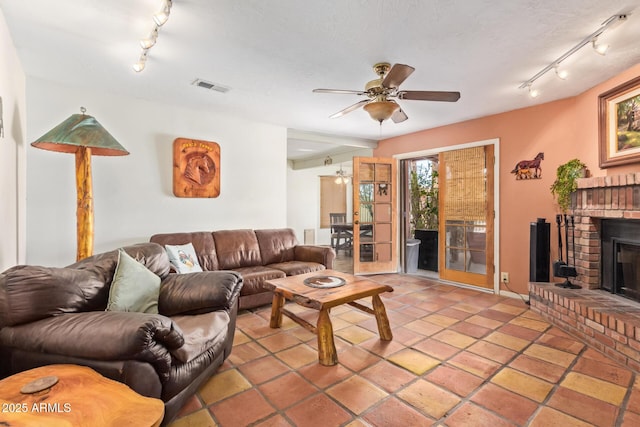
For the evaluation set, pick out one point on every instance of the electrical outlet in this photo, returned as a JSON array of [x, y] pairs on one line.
[[504, 277]]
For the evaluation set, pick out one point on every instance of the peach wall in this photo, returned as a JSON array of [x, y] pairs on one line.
[[562, 130]]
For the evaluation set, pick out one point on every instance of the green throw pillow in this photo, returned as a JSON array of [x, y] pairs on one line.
[[134, 287]]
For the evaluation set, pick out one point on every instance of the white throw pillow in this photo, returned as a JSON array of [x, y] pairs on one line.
[[183, 258]]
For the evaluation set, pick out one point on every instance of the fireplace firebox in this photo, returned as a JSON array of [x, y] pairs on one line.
[[621, 257], [626, 273]]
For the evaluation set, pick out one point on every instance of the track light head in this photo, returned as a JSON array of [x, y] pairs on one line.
[[139, 66], [163, 16], [600, 48], [150, 40], [561, 73], [160, 18]]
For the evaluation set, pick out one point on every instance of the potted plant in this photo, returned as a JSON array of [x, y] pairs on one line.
[[423, 188], [565, 183]]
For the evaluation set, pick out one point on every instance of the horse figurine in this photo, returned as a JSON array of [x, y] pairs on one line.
[[524, 167]]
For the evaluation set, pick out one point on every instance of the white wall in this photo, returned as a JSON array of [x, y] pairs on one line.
[[12, 153], [133, 196], [303, 193]]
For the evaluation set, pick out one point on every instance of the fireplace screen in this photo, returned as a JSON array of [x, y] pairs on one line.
[[620, 257], [627, 268]]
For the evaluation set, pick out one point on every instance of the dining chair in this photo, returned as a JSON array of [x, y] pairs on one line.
[[337, 235]]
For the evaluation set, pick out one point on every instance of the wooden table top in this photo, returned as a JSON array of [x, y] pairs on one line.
[[356, 287], [82, 397]]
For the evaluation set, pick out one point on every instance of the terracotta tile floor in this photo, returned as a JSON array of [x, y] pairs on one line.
[[459, 357]]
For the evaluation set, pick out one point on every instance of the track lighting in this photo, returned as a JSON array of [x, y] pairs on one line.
[[591, 38], [147, 43]]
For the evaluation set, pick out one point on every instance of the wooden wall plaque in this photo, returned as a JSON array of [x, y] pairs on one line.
[[196, 168]]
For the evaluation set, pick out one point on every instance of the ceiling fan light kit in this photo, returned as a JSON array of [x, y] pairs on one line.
[[591, 38], [381, 110], [382, 91]]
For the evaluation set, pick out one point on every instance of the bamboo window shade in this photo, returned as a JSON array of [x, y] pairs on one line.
[[466, 185], [333, 199]]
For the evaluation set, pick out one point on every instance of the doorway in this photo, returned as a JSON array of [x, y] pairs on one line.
[[464, 186], [420, 178]]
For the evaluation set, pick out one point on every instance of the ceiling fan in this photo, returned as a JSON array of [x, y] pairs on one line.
[[380, 93]]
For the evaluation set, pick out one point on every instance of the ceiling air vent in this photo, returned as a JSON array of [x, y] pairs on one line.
[[211, 86]]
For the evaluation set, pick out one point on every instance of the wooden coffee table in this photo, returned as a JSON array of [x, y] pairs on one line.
[[322, 295], [81, 397]]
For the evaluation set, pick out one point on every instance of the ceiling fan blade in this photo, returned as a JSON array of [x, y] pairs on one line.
[[397, 74], [399, 116], [341, 91], [349, 109], [425, 95]]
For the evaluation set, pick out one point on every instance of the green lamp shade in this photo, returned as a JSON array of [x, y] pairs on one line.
[[80, 130]]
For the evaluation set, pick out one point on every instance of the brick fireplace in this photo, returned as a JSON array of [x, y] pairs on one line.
[[598, 199], [608, 322]]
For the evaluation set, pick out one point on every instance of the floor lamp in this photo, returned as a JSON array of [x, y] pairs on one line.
[[82, 135]]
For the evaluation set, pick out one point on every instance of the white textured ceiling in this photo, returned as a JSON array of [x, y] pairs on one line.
[[271, 54]]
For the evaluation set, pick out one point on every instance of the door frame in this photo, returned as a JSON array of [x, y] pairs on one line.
[[496, 198]]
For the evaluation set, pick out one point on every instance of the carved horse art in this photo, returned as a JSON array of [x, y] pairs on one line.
[[524, 168], [198, 168]]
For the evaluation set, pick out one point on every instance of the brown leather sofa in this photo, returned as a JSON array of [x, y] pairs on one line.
[[57, 315], [258, 255]]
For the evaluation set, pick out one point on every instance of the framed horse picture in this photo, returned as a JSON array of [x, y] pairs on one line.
[[619, 124], [196, 168]]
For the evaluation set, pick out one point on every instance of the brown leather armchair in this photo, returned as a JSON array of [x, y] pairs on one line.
[[57, 315]]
